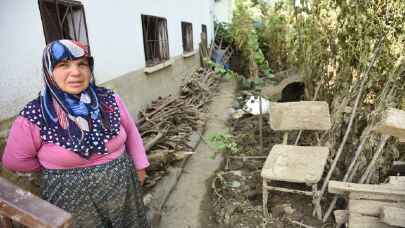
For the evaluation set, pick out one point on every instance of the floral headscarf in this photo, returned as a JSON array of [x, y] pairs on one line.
[[81, 123]]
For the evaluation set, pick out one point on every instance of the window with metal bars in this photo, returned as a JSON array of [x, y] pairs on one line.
[[187, 34], [63, 19], [155, 40]]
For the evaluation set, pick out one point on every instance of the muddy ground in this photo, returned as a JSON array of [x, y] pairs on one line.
[[236, 190]]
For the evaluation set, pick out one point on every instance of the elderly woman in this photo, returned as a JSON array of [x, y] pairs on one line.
[[83, 140]]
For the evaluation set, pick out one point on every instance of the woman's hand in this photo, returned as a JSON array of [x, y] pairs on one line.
[[141, 175]]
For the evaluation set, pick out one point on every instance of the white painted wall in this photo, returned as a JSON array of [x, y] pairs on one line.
[[21, 44], [224, 10], [115, 36]]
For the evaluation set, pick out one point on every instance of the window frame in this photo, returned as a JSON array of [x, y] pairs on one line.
[[187, 37], [71, 6], [160, 54]]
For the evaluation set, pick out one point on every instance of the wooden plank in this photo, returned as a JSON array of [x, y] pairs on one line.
[[372, 196], [371, 207], [290, 163], [393, 216], [339, 187], [28, 209], [362, 221], [392, 123], [5, 222], [303, 115]]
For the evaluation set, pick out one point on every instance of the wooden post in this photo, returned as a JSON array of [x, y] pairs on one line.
[[374, 160], [285, 138]]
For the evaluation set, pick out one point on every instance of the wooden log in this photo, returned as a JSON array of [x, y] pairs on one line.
[[374, 196], [306, 193], [362, 221], [30, 210], [392, 123], [393, 216], [159, 155], [152, 142], [162, 156], [371, 207], [339, 187], [303, 115]]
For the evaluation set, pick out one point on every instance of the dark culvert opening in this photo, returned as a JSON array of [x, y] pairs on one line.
[[293, 92]]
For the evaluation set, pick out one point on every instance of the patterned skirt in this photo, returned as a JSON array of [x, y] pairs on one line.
[[106, 195]]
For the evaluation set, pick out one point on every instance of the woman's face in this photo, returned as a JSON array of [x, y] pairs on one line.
[[72, 76]]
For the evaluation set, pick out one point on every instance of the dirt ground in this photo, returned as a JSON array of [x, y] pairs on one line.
[[235, 195]]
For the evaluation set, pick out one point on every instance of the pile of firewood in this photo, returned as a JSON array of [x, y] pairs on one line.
[[167, 124]]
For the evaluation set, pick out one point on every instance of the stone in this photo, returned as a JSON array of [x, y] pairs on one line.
[[274, 92], [392, 123], [299, 164], [303, 115]]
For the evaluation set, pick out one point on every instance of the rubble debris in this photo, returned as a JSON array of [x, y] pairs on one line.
[[252, 105]]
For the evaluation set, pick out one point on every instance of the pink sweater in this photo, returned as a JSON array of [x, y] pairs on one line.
[[25, 151]]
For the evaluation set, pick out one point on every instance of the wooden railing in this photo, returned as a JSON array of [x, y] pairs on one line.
[[27, 209]]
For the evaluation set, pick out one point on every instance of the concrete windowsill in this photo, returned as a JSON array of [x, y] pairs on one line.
[[188, 54], [159, 66]]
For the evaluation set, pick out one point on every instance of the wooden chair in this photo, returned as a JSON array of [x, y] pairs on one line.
[[29, 210], [298, 164]]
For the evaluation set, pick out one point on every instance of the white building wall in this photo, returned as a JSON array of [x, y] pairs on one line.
[[115, 37], [224, 10], [21, 44]]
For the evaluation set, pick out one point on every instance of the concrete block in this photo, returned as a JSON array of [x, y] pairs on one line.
[[299, 164], [274, 92], [371, 207], [393, 216], [392, 123], [303, 115]]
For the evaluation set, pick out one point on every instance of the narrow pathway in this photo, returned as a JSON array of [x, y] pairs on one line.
[[183, 208]]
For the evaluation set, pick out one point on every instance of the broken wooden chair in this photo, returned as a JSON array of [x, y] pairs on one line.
[[29, 210], [372, 205], [376, 205], [291, 163]]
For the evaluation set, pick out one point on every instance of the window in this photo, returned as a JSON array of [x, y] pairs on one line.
[[187, 34], [204, 34], [63, 19], [155, 39]]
